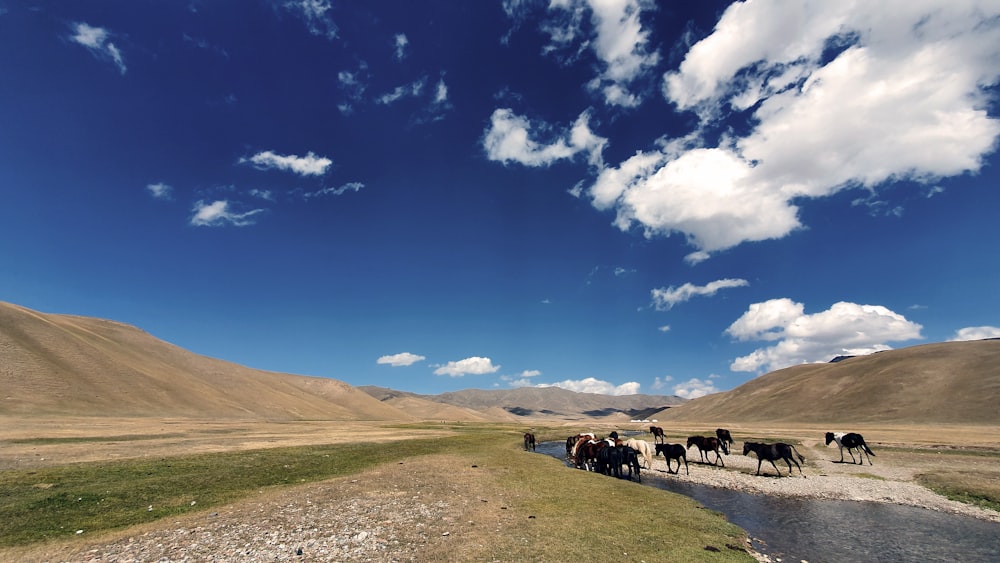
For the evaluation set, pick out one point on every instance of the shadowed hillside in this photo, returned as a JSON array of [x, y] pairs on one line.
[[949, 382], [69, 365], [543, 402]]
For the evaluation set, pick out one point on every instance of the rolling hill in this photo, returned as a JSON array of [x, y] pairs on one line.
[[63, 365], [79, 366], [942, 383]]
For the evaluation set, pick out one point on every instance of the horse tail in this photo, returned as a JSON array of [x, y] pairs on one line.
[[801, 459], [867, 449]]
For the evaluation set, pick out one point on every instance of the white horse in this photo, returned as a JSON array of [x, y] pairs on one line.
[[644, 450]]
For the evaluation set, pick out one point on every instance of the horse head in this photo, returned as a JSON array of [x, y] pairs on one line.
[[747, 447], [829, 438], [692, 440]]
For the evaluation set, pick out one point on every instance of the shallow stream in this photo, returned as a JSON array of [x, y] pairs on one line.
[[815, 530]]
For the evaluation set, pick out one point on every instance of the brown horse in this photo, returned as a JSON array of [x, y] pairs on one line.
[[657, 432], [529, 441], [706, 445], [587, 452]]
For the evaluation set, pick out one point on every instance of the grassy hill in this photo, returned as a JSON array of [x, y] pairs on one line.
[[943, 383], [78, 366]]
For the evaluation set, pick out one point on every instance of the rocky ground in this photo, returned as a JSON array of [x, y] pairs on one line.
[[886, 480]]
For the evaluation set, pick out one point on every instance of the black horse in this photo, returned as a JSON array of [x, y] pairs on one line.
[[630, 459], [673, 451], [529, 441], [725, 439], [706, 445], [851, 441], [771, 452], [610, 460]]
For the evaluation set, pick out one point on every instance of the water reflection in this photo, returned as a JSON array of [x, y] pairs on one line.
[[831, 530]]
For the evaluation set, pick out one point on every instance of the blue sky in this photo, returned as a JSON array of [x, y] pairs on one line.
[[612, 196]]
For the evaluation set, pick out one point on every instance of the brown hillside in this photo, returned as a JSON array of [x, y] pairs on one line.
[[78, 366], [950, 383]]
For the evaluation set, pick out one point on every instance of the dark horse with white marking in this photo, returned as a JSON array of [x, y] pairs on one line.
[[706, 445], [725, 439], [771, 452], [657, 432], [851, 441], [673, 451], [529, 441]]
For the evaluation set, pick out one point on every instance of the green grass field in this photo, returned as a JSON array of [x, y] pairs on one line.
[[576, 514]]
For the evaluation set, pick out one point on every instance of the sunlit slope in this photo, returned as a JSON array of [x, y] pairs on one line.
[[950, 382], [68, 365]]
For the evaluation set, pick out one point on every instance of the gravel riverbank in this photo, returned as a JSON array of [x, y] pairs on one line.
[[824, 478]]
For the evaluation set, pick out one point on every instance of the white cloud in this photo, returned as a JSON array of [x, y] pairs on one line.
[[219, 213], [401, 359], [522, 379], [414, 89], [975, 333], [440, 93], [665, 299], [96, 40], [694, 388], [160, 190], [314, 13], [619, 42], [308, 165], [593, 385], [401, 42], [469, 366], [336, 190], [508, 139], [905, 98], [843, 329], [664, 328]]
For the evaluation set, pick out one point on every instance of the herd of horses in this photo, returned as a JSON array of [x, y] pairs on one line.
[[610, 455]]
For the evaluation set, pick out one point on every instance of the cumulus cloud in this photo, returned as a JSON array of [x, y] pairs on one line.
[[469, 366], [975, 333], [694, 388], [96, 39], [830, 96], [616, 38], [594, 385], [665, 298], [509, 139], [220, 213], [401, 359], [843, 329], [160, 190], [315, 15], [308, 165]]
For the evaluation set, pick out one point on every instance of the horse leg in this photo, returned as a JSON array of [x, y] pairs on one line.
[[758, 466], [796, 465], [776, 470], [686, 470], [718, 458]]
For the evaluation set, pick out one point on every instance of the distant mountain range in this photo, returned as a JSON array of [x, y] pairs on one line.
[[536, 402], [63, 365]]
